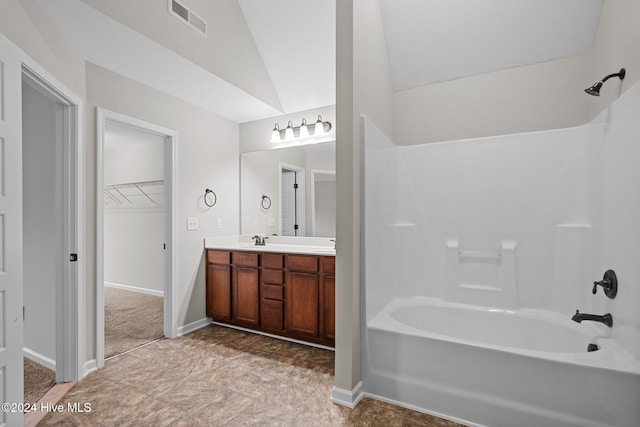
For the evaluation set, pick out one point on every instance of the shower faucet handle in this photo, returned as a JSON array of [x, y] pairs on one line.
[[609, 284]]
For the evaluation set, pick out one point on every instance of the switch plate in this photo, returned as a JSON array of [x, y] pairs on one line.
[[192, 223], [218, 223]]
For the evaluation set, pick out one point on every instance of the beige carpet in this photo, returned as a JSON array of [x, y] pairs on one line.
[[37, 380], [131, 319]]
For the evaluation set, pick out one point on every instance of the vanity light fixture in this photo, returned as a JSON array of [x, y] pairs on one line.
[[288, 132], [595, 89], [275, 135], [301, 132]]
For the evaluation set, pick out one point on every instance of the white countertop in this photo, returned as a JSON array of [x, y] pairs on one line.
[[322, 246]]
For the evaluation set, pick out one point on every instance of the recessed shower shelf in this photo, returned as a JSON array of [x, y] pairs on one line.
[[402, 224]]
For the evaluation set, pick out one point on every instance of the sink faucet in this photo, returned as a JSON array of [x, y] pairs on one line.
[[260, 241], [606, 319]]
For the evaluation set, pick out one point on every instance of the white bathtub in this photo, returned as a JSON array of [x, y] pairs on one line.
[[498, 368]]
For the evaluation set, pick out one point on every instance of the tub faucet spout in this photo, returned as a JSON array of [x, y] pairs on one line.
[[606, 319]]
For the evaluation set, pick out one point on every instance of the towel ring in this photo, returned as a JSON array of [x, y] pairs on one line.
[[266, 202], [206, 200]]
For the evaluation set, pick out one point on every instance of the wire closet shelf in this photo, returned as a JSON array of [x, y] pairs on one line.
[[134, 195]]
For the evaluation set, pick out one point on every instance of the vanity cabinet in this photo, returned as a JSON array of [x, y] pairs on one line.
[[328, 299], [283, 294], [272, 292], [219, 285], [303, 296]]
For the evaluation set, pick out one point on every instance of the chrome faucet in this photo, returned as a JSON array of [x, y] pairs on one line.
[[260, 241], [606, 319]]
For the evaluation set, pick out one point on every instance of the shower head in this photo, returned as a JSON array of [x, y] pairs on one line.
[[595, 89]]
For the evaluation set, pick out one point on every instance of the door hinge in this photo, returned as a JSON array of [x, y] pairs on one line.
[[164, 246], [73, 257], [295, 226], [295, 186]]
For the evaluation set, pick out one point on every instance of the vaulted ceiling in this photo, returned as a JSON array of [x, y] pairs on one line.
[[263, 58]]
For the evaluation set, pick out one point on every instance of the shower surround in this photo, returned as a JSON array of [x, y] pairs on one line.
[[514, 227]]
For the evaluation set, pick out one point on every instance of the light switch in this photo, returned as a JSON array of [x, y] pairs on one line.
[[218, 223], [192, 223]]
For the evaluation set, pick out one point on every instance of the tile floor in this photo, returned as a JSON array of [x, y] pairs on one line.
[[222, 377]]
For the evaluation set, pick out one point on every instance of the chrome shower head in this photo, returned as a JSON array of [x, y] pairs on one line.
[[595, 89]]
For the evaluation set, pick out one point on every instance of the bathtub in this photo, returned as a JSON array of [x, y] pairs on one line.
[[493, 367]]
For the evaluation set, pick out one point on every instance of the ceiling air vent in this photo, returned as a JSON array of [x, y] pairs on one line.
[[186, 15]]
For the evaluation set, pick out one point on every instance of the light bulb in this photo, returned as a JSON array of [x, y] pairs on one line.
[[319, 129], [275, 134], [304, 130], [288, 132]]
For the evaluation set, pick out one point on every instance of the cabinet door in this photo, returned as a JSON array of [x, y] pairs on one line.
[[246, 295], [272, 314], [328, 309], [219, 291], [302, 303]]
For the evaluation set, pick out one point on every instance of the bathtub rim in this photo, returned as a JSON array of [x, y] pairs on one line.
[[611, 356]]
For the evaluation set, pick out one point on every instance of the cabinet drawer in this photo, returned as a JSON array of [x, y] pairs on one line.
[[272, 314], [272, 292], [275, 277], [273, 261], [329, 265], [218, 257], [244, 259], [307, 264]]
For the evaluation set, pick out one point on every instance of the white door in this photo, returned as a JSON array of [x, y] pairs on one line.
[[289, 223], [11, 369]]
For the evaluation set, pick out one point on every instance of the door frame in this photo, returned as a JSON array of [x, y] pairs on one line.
[[70, 294], [312, 190], [300, 197], [170, 214]]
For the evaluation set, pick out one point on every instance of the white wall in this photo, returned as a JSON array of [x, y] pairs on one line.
[[363, 81], [207, 158], [42, 221], [134, 236], [325, 209]]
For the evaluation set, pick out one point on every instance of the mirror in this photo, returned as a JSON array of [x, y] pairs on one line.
[[289, 191]]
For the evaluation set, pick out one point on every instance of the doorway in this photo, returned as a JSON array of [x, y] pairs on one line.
[[50, 189], [135, 200], [292, 200]]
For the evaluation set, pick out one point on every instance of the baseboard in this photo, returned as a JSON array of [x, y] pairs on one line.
[[88, 367], [348, 398], [45, 361], [193, 326], [134, 289]]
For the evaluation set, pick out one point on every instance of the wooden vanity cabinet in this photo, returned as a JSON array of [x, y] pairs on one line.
[[328, 299], [284, 294], [303, 297], [218, 298], [272, 292]]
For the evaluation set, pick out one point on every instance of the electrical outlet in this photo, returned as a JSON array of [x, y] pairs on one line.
[[192, 223], [218, 223]]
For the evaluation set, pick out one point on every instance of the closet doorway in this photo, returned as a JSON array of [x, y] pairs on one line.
[[135, 287]]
